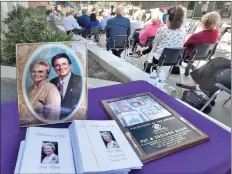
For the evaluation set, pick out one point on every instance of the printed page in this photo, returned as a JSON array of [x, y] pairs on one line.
[[88, 160], [47, 150], [110, 147]]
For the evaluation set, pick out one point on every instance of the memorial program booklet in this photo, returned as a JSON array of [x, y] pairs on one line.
[[85, 147], [152, 128]]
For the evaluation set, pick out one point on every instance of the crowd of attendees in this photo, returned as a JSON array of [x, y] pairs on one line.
[[167, 26]]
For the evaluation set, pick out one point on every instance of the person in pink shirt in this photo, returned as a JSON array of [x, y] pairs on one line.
[[150, 30]]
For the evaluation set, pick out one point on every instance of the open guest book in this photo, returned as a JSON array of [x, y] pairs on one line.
[[152, 128], [85, 147]]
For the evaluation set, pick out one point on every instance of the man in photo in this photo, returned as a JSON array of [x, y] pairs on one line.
[[68, 84]]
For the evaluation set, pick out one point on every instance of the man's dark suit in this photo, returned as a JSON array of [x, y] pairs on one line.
[[118, 25], [72, 94]]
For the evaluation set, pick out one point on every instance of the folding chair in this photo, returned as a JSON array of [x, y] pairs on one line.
[[131, 39], [170, 57], [94, 31], [202, 52], [223, 84], [120, 42], [148, 44]]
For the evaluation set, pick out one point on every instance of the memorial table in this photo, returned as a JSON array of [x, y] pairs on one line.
[[210, 157]]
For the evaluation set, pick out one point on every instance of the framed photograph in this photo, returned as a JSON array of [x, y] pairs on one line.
[[152, 128], [51, 82]]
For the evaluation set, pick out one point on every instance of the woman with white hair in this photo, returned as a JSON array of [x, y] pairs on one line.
[[148, 19], [43, 96], [109, 140], [208, 35], [136, 22], [150, 31], [51, 157]]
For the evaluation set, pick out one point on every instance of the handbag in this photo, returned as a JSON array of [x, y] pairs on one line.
[[196, 100]]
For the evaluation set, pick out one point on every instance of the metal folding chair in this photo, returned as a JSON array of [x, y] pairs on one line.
[[94, 31], [202, 52], [222, 85], [120, 42], [170, 57], [148, 44]]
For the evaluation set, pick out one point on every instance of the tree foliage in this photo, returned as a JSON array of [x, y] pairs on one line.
[[27, 25]]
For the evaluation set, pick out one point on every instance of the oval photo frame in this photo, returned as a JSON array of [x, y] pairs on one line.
[[49, 50]]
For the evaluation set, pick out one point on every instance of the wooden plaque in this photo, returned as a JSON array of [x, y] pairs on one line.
[[152, 128]]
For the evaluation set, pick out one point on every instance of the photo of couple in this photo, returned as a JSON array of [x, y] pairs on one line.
[[53, 83]]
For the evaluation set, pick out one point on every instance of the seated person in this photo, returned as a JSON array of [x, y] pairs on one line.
[[50, 16], [208, 35], [136, 22], [92, 23], [84, 19], [99, 15], [71, 25], [165, 14], [117, 25], [184, 24], [170, 36], [57, 19], [102, 23], [78, 14], [144, 16], [206, 76], [148, 19], [151, 30]]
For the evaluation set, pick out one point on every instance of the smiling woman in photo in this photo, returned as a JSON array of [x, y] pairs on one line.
[[43, 96], [51, 157], [109, 140]]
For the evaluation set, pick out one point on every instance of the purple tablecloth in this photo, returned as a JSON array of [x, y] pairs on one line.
[[209, 157]]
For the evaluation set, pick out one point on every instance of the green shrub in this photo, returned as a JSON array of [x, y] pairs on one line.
[[27, 25]]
